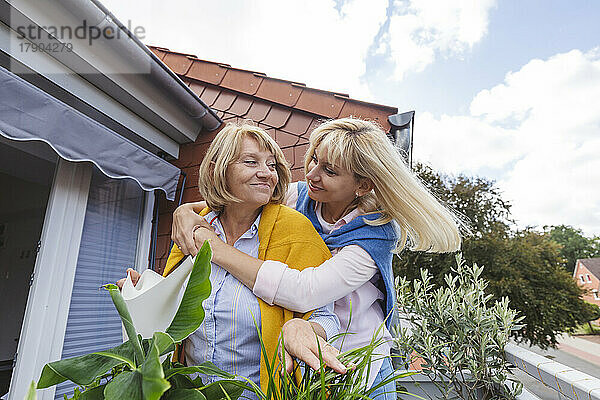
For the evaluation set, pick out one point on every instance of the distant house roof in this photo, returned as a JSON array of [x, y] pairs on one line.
[[592, 264], [287, 110]]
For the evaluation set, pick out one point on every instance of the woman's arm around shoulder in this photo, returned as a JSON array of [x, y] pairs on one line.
[[291, 196], [314, 287]]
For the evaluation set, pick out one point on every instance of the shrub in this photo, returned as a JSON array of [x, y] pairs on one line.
[[457, 334]]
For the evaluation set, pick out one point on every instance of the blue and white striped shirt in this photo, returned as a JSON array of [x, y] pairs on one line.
[[228, 334]]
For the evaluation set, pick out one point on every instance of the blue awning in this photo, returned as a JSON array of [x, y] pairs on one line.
[[28, 113]]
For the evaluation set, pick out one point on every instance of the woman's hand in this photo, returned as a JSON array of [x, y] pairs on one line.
[[237, 263], [185, 218], [135, 277], [204, 231], [300, 341]]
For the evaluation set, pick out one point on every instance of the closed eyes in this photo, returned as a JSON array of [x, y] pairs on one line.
[[328, 170]]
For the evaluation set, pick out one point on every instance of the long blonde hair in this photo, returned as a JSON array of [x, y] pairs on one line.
[[363, 148]]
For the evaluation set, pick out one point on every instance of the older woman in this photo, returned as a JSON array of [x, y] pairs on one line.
[[243, 179]]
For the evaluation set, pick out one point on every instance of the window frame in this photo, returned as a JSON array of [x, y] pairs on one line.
[[45, 321]]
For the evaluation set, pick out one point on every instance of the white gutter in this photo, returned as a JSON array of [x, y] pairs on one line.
[[98, 15]]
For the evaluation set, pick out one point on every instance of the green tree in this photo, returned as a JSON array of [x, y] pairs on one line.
[[524, 265], [573, 244]]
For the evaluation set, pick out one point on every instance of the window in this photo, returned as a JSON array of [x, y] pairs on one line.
[[588, 277], [595, 293], [108, 246], [26, 175], [581, 279]]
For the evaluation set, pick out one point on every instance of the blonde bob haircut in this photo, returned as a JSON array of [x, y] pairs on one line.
[[362, 148], [224, 151]]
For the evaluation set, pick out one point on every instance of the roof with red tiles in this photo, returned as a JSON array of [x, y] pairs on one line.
[[286, 106], [592, 264]]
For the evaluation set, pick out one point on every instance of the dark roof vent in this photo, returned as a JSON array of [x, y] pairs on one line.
[[401, 132]]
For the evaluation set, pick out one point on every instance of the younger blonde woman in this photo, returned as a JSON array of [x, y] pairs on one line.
[[366, 205]]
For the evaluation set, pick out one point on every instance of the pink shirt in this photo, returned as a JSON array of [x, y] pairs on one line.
[[347, 279]]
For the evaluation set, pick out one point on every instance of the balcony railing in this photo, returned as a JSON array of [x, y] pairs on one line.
[[566, 381]]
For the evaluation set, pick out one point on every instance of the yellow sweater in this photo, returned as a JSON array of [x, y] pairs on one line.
[[284, 235]]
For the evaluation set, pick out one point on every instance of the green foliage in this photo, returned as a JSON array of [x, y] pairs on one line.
[[190, 313], [573, 244], [591, 328], [478, 199], [458, 333], [524, 265], [133, 370], [325, 383], [83, 370]]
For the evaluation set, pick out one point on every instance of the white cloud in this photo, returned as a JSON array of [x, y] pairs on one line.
[[462, 143], [310, 40], [306, 40], [425, 29], [540, 129]]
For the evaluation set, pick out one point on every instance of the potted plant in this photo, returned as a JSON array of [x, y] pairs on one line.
[[456, 335], [133, 370]]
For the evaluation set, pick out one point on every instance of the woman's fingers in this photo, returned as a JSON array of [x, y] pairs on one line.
[[300, 341], [289, 362], [310, 358], [199, 236], [329, 355], [204, 232], [184, 220], [135, 277], [121, 282]]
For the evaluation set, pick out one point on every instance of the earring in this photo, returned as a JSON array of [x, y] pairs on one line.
[[356, 195]]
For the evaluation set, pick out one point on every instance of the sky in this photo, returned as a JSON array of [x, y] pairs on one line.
[[506, 90]]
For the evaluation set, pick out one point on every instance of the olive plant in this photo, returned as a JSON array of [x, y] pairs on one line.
[[457, 334]]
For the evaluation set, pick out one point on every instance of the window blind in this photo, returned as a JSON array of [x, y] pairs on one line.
[[108, 246]]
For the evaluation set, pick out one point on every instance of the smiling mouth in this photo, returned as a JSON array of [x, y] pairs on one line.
[[261, 185], [313, 187]]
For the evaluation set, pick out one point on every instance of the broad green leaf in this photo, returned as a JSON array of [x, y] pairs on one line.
[[225, 389], [31, 395], [154, 383], [83, 370], [184, 394], [145, 383], [206, 368], [180, 381], [190, 313], [115, 294], [96, 393], [126, 385], [164, 342]]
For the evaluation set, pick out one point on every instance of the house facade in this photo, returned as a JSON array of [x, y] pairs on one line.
[[87, 124], [587, 276]]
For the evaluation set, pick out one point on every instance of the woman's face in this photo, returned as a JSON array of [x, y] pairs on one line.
[[252, 177], [327, 184]]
